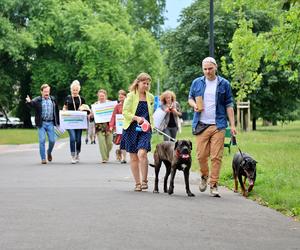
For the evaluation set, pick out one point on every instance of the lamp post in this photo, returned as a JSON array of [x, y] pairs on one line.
[[211, 29]]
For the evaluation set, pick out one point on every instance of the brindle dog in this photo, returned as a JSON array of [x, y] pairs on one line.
[[175, 156]]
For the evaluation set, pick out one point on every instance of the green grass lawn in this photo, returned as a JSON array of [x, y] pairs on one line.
[[17, 136], [276, 148], [277, 151]]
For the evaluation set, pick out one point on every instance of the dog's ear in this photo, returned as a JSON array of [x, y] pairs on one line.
[[176, 144], [191, 145]]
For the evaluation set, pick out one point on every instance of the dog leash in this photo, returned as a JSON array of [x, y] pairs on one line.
[[159, 131], [234, 143]]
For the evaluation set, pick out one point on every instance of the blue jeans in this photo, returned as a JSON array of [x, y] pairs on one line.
[[75, 140], [47, 128]]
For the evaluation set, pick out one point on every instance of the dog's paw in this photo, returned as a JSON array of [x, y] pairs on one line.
[[245, 194], [235, 191]]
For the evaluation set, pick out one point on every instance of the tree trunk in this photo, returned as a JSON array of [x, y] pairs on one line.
[[254, 124], [23, 111]]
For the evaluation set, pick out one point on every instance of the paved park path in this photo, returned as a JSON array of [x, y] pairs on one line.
[[92, 206]]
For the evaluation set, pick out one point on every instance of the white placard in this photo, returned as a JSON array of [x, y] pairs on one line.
[[73, 119], [119, 123], [158, 117], [103, 111]]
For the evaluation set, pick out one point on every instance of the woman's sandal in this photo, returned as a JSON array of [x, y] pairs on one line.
[[138, 187], [145, 185]]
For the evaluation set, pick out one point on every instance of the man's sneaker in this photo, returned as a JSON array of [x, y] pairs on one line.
[[214, 191], [203, 183], [77, 158], [44, 162], [73, 160]]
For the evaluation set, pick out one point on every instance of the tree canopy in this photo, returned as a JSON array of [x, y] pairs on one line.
[[55, 42]]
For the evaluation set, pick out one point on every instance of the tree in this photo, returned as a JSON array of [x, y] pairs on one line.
[[279, 63], [246, 53], [56, 41], [186, 46], [147, 14]]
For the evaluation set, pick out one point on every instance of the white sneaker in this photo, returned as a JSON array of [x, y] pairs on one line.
[[203, 183], [77, 158], [214, 191], [73, 160]]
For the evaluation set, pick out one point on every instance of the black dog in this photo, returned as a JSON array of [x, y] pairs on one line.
[[244, 165], [175, 156]]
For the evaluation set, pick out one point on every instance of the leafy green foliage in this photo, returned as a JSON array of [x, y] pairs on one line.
[[147, 14], [246, 52], [186, 46], [55, 42]]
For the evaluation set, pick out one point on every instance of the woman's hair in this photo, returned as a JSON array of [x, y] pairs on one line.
[[75, 83], [165, 94], [102, 91], [141, 77], [45, 85], [122, 92]]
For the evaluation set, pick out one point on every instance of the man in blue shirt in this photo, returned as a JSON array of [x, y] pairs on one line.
[[46, 117], [211, 98]]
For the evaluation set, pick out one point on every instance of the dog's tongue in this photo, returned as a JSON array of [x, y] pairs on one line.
[[185, 156], [251, 182]]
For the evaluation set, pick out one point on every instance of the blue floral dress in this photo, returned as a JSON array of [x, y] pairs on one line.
[[133, 140]]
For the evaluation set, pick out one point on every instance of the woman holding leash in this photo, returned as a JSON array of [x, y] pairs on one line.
[[138, 117], [170, 123]]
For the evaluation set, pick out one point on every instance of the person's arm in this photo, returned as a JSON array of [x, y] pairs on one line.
[[191, 100], [193, 104], [65, 107], [230, 114], [112, 122], [176, 110], [127, 107]]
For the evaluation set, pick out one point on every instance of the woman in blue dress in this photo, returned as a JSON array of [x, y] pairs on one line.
[[138, 108]]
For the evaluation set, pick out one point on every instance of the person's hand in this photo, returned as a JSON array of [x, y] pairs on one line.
[[174, 111], [196, 108], [233, 130], [139, 120], [28, 98]]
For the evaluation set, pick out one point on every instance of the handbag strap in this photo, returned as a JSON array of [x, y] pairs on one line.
[[74, 102]]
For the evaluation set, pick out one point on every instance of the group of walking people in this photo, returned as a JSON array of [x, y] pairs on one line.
[[137, 107]]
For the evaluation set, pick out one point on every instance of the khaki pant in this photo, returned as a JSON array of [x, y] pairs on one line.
[[105, 145], [210, 143]]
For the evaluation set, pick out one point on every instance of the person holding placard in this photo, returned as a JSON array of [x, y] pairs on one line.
[[170, 123], [138, 119], [112, 126], [46, 117], [73, 102], [102, 130]]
